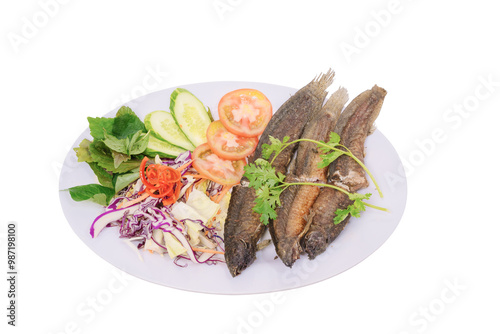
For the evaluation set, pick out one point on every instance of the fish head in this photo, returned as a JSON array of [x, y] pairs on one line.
[[314, 243], [242, 255], [288, 251]]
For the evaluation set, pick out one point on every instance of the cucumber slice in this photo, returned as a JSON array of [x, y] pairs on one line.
[[162, 124], [191, 115], [163, 148]]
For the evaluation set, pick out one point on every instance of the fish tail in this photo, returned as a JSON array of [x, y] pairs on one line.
[[324, 80], [336, 102]]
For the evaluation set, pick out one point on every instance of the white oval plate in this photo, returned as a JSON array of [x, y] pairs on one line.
[[360, 238]]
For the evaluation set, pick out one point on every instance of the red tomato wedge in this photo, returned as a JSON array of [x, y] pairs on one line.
[[208, 164], [227, 145], [245, 112]]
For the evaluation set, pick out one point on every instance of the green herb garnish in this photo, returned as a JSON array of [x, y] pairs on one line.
[[269, 185], [331, 151], [114, 154]]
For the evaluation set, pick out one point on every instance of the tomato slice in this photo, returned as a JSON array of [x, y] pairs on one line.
[[227, 145], [208, 164], [245, 112]]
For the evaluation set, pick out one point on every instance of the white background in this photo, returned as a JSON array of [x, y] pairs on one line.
[[63, 61]]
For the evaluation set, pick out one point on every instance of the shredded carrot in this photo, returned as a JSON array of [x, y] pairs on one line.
[[210, 223], [196, 176], [132, 202], [188, 191], [207, 250], [222, 193], [161, 181], [184, 166]]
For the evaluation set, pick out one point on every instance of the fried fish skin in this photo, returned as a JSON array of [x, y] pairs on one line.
[[354, 125], [296, 201], [243, 229]]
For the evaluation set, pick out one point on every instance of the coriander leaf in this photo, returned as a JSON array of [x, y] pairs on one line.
[[262, 173], [357, 207], [329, 158], [126, 123], [330, 152], [355, 196], [323, 148], [82, 151], [94, 192], [334, 139], [340, 215], [275, 146], [354, 209], [262, 162], [268, 187], [266, 202], [266, 151]]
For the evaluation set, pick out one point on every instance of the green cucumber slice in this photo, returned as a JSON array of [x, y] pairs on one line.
[[162, 124], [191, 115], [163, 148]]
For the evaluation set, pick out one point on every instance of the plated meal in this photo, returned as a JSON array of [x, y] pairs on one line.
[[196, 185]]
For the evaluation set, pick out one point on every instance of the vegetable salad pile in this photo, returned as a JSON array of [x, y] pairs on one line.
[[165, 183]]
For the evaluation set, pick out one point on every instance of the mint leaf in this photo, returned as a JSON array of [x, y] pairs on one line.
[[116, 144], [105, 178], [138, 143], [103, 156], [126, 123], [99, 125], [118, 158], [122, 180], [82, 151], [94, 192]]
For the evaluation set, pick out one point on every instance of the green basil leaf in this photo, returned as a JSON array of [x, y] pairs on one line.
[[94, 192]]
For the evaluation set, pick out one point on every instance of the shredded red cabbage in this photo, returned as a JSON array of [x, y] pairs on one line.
[[141, 219]]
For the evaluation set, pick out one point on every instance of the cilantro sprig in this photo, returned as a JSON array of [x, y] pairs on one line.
[[269, 184], [331, 151]]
